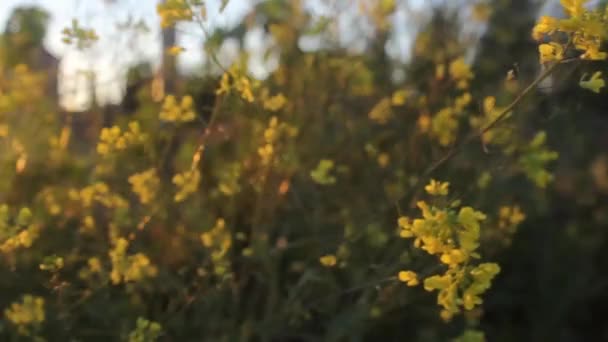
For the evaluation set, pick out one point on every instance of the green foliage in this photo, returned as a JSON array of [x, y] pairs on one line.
[[306, 206]]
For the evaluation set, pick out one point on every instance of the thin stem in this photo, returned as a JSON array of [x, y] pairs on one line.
[[477, 134]]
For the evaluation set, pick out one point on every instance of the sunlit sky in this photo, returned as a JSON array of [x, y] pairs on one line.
[[117, 50]]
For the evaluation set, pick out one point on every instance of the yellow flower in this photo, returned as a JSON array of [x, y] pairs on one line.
[[440, 71], [275, 103], [399, 97], [550, 52], [381, 112], [444, 126], [437, 282], [460, 70], [454, 257], [408, 277], [172, 111], [30, 311], [175, 50], [187, 183], [594, 84], [545, 25], [436, 188], [145, 185], [328, 260], [383, 160]]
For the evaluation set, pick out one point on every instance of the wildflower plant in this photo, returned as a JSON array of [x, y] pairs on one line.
[[244, 208]]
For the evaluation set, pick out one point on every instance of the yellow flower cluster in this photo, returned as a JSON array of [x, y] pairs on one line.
[[173, 11], [229, 177], [321, 174], [24, 239], [27, 314], [436, 188], [271, 135], [113, 139], [127, 268], [444, 124], [453, 236], [98, 192], [218, 240], [173, 111], [585, 28], [461, 73], [20, 91], [551, 52], [497, 135], [52, 263], [145, 184], [93, 267], [175, 50], [328, 260], [382, 111], [21, 233], [145, 331], [187, 183], [509, 219], [408, 277], [275, 103], [510, 216], [233, 79]]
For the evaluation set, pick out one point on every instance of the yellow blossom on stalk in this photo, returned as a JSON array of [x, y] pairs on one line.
[[328, 260], [453, 236], [595, 83], [235, 79], [462, 101], [272, 134], [173, 11], [399, 97], [27, 314], [381, 112], [16, 232], [174, 111], [510, 216], [384, 160], [321, 174], [98, 192], [175, 50], [145, 331], [275, 103], [408, 277], [114, 139], [187, 183], [585, 28], [266, 152], [460, 72], [128, 268], [545, 25], [424, 123], [436, 188], [444, 126], [218, 241], [440, 71], [551, 52], [243, 86], [145, 185]]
